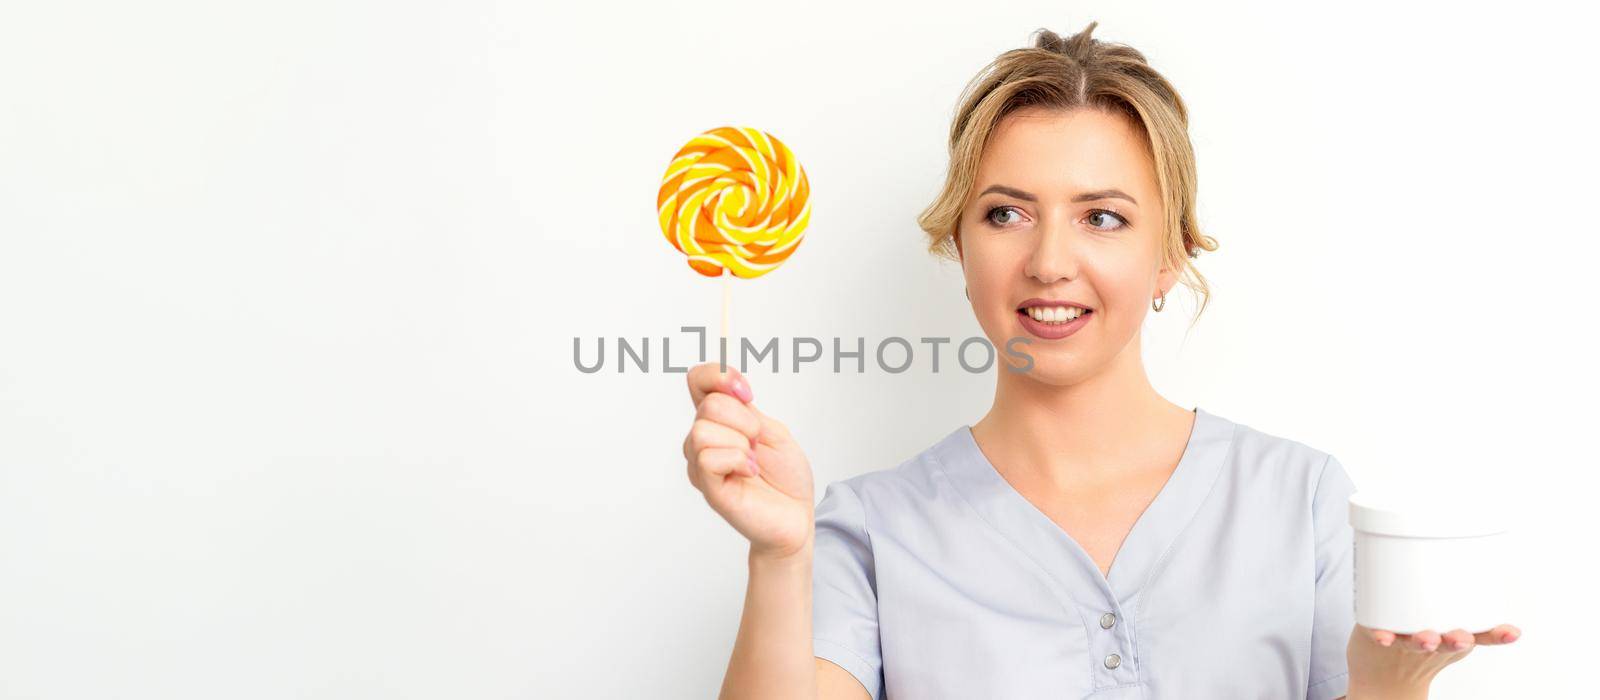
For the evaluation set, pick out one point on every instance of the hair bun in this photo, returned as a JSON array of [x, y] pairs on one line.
[[1048, 40], [1076, 47]]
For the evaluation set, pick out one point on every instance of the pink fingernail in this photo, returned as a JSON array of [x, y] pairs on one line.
[[1507, 636], [755, 469], [741, 389]]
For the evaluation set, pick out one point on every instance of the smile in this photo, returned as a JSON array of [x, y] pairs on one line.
[[1050, 321], [1054, 314]]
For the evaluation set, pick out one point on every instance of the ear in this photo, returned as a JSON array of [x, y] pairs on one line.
[[1167, 278], [956, 238]]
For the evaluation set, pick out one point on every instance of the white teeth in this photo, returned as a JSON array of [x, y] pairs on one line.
[[1054, 314]]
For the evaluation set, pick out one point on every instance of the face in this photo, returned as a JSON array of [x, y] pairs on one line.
[[1068, 212]]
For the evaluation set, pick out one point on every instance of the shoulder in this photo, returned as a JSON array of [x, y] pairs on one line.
[[911, 485], [1257, 452], [1268, 460]]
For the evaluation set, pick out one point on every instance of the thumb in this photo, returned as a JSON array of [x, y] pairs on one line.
[[782, 463], [773, 432]]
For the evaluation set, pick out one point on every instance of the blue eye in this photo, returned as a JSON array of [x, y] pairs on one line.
[[989, 217], [1101, 212]]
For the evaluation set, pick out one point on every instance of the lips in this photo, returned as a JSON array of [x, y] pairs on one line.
[[1053, 314], [1039, 301], [1052, 320]]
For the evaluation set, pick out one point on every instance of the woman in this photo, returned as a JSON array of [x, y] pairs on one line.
[[1087, 537]]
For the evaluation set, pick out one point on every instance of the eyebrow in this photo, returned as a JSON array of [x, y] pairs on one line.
[[1085, 197]]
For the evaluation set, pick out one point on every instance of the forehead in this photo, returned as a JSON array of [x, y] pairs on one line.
[[1055, 152]]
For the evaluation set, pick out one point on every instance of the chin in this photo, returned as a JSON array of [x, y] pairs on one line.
[[1054, 368]]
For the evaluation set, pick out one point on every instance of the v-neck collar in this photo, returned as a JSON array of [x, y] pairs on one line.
[[1147, 543]]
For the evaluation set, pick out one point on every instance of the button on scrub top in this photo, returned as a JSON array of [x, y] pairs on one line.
[[937, 579]]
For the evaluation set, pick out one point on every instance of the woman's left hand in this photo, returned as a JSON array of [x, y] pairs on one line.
[[1388, 665]]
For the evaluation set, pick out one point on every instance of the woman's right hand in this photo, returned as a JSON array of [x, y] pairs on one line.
[[747, 465]]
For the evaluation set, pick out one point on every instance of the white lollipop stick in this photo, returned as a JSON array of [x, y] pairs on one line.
[[727, 299]]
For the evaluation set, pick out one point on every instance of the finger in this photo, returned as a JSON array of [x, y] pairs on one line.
[[726, 410], [773, 432], [1501, 634], [1426, 640], [1456, 640], [708, 377], [718, 462], [1383, 637], [705, 433]]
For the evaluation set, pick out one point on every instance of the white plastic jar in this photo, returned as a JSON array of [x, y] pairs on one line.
[[1425, 564]]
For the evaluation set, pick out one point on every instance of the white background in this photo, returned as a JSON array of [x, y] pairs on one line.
[[288, 293]]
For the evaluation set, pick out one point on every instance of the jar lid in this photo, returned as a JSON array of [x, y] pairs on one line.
[[1429, 515]]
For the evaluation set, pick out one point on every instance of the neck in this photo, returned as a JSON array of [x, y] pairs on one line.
[[1098, 429]]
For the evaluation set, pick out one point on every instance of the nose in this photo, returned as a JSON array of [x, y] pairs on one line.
[[1053, 256]]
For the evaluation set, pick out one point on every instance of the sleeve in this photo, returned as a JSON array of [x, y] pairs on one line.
[[844, 589], [1333, 616]]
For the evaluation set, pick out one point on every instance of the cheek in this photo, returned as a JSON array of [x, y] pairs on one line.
[[991, 285], [982, 272], [993, 264], [1132, 285]]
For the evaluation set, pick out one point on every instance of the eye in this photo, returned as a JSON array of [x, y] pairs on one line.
[[989, 217], [1121, 222]]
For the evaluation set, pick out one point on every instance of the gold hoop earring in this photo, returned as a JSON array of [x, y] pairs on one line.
[[1163, 303]]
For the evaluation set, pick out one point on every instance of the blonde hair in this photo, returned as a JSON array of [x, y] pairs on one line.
[[1072, 73]]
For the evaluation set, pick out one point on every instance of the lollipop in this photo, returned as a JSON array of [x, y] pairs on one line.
[[734, 200]]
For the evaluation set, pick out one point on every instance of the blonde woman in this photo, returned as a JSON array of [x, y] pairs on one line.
[[1087, 537]]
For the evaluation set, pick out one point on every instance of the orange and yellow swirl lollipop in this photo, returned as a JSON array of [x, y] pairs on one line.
[[734, 199]]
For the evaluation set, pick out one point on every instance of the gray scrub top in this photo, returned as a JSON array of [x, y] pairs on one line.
[[937, 579]]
